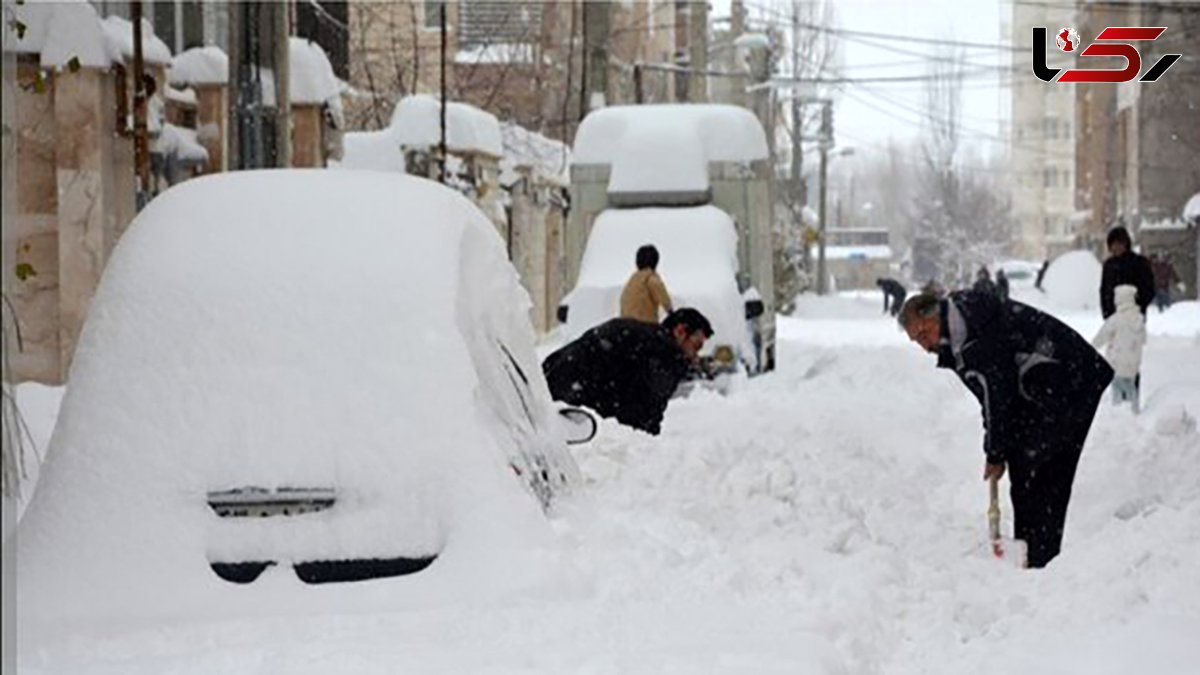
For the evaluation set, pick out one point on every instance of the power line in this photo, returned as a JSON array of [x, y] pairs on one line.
[[889, 36]]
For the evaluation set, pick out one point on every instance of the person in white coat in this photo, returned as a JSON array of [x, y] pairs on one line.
[[1124, 332]]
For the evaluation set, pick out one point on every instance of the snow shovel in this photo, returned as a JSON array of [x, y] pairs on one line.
[[1010, 550]]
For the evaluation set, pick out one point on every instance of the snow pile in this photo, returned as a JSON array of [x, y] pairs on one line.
[[200, 65], [667, 148], [213, 358], [1072, 281], [525, 149], [371, 151], [417, 124], [120, 31], [828, 519], [180, 142], [37, 405], [698, 264], [61, 32], [311, 79], [1181, 319], [1191, 210]]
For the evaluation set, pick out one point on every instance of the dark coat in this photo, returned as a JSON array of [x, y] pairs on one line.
[[1002, 285], [1038, 381], [622, 368], [892, 287], [1127, 268]]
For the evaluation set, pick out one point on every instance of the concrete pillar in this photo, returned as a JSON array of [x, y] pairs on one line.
[[308, 139], [88, 202], [212, 110], [31, 192]]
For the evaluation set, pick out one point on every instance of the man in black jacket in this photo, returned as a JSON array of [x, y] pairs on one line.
[[893, 295], [1123, 266], [628, 369], [1038, 383]]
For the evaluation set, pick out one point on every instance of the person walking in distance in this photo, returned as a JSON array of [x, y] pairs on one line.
[[645, 293], [1038, 383], [1165, 277]]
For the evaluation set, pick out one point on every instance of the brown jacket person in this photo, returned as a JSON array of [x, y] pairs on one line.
[[645, 291]]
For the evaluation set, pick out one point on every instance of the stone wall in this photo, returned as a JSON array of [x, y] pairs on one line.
[[72, 186]]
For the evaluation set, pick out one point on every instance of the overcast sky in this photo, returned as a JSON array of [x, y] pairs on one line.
[[868, 114]]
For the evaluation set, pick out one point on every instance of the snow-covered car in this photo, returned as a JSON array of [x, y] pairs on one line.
[[698, 263], [288, 378]]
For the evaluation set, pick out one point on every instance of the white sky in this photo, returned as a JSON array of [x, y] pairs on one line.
[[869, 114]]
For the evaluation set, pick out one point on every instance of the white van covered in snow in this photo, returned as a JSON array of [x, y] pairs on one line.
[[692, 179]]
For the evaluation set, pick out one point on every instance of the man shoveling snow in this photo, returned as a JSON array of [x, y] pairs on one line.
[[1038, 382]]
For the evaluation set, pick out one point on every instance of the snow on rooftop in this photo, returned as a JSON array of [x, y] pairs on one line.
[[546, 157], [417, 124], [667, 147], [200, 65], [61, 32], [154, 50]]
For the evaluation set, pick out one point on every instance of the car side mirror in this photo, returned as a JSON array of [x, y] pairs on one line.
[[754, 309], [579, 425], [562, 313]]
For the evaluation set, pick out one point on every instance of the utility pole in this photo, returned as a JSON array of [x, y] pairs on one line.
[[280, 31], [441, 162], [826, 143], [698, 51], [596, 18], [798, 191], [141, 131]]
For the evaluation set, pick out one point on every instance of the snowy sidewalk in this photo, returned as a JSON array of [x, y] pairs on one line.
[[827, 519]]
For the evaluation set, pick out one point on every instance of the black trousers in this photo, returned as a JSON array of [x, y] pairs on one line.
[[1042, 481]]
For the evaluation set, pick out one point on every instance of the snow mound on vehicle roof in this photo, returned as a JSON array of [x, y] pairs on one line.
[[667, 148], [698, 264], [278, 329], [1073, 281]]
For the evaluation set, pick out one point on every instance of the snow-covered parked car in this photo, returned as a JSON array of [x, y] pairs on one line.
[[698, 263], [288, 378]]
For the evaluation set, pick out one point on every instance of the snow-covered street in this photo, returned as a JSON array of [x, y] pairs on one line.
[[826, 518]]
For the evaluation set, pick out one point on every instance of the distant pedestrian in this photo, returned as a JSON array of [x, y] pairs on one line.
[[1001, 285], [1041, 275], [893, 295], [1165, 278], [1124, 333], [1038, 383], [645, 293], [1123, 266], [983, 282], [629, 369]]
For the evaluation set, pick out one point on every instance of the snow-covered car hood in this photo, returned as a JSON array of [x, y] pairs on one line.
[[308, 329], [698, 264]]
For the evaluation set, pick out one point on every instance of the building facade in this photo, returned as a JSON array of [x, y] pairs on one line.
[[1041, 141]]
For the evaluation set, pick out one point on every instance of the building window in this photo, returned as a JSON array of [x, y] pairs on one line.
[[1050, 178], [1052, 128], [433, 13]]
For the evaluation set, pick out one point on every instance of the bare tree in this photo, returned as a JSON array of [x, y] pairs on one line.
[[960, 221]]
